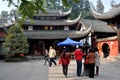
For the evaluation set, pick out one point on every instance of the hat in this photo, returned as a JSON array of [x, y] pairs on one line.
[[77, 46]]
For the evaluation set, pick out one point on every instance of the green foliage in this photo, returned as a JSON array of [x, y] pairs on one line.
[[65, 3], [100, 6], [27, 8], [86, 15], [16, 40], [81, 7]]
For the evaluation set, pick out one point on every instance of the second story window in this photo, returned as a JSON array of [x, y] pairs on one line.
[[53, 18], [46, 27], [30, 27], [66, 27], [51, 28], [42, 18], [48, 18]]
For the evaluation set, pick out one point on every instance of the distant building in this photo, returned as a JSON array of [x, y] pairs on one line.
[[112, 18], [101, 34], [48, 29]]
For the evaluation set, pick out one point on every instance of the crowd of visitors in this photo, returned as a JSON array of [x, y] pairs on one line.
[[91, 61]]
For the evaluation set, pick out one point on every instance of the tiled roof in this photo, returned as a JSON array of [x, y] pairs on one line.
[[56, 34], [54, 13], [98, 26], [53, 22]]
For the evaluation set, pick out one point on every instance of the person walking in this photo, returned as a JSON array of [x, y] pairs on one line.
[[64, 60], [52, 55], [46, 56], [97, 62], [91, 61], [78, 56]]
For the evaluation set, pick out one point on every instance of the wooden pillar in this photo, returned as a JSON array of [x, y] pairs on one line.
[[118, 34]]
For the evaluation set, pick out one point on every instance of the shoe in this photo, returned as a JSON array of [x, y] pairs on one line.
[[65, 76], [56, 64], [96, 74], [81, 76]]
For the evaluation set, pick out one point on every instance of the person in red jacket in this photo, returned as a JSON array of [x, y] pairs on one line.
[[78, 56], [64, 60]]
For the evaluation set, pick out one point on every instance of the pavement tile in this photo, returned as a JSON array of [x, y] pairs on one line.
[[108, 66]]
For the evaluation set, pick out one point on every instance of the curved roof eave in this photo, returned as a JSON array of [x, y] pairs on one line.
[[107, 39], [56, 34], [54, 13], [66, 13], [98, 26], [53, 22], [115, 11]]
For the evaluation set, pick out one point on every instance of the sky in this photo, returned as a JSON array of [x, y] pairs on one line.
[[4, 6], [106, 3]]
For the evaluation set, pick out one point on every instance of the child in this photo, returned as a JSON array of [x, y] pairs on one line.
[[46, 56]]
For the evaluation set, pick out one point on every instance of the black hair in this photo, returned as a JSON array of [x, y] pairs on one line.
[[63, 54], [96, 49], [91, 50]]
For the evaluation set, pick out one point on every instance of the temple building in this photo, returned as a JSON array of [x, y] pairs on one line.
[[103, 36], [112, 18], [48, 29]]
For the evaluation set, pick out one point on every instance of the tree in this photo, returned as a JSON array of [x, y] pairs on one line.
[[4, 16], [100, 7], [86, 5], [27, 8], [16, 40]]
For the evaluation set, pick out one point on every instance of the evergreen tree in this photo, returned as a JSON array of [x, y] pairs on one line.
[[16, 40], [100, 7]]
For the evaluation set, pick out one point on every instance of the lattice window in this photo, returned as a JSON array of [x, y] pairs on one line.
[[30, 27]]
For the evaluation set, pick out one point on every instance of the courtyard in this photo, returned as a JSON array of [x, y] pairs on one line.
[[35, 70]]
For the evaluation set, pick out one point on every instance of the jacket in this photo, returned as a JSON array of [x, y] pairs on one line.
[[79, 54], [52, 53], [91, 57], [65, 60]]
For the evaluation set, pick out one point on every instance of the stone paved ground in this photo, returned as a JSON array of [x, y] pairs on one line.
[[29, 70], [35, 70], [109, 70], [55, 72]]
